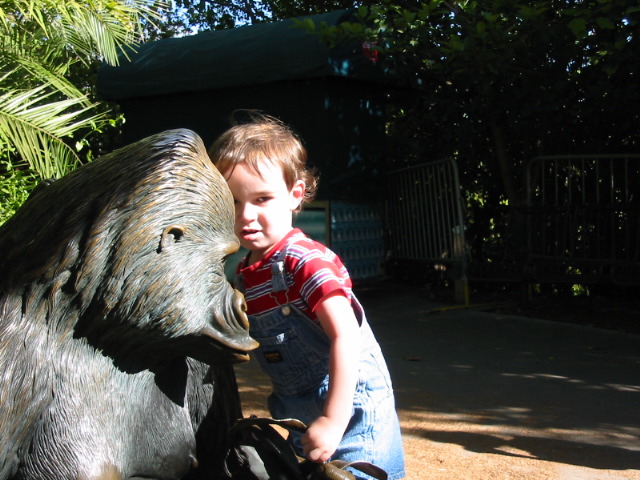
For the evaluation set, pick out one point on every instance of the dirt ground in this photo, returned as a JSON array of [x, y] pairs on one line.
[[484, 394]]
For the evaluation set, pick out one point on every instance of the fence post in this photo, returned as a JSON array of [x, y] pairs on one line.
[[461, 283]]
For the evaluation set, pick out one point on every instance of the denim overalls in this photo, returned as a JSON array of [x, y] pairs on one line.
[[294, 353]]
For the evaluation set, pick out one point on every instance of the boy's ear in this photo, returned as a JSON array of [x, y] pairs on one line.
[[297, 194]]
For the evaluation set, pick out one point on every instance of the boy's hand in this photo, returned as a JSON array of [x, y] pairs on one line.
[[322, 439]]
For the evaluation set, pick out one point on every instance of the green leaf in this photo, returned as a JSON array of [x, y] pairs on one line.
[[579, 27], [309, 24], [362, 12], [455, 43], [490, 17], [606, 23]]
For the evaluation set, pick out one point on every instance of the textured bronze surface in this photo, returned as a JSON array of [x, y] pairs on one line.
[[117, 324]]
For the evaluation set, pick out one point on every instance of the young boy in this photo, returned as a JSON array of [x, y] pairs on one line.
[[316, 346]]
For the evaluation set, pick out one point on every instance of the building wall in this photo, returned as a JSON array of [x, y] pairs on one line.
[[340, 120]]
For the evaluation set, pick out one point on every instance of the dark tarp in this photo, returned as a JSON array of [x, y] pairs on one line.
[[336, 99], [249, 55]]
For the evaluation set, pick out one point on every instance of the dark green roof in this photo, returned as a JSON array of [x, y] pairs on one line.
[[249, 55]]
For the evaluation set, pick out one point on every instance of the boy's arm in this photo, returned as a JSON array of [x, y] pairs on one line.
[[339, 322]]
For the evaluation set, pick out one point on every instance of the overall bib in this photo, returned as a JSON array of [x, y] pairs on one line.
[[294, 353]]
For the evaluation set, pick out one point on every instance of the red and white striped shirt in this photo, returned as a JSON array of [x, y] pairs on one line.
[[312, 271]]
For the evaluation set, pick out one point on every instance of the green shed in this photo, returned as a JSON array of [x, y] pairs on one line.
[[334, 98]]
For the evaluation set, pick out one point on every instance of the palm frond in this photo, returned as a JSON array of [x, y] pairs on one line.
[[100, 26], [34, 65], [37, 128], [42, 42]]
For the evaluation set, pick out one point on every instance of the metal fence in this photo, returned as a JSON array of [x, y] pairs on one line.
[[582, 217]]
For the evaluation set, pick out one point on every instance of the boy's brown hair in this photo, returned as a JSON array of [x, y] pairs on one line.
[[265, 139]]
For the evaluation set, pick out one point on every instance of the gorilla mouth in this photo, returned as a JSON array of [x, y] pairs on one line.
[[228, 327], [228, 352]]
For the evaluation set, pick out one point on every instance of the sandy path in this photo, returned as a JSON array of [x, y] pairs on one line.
[[484, 396]]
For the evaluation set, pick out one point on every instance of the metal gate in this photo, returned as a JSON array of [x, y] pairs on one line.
[[425, 220]]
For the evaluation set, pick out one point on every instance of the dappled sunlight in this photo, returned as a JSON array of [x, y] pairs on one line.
[[523, 425], [486, 432], [576, 381]]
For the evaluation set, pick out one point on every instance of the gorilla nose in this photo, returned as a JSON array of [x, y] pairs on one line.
[[229, 324], [240, 308]]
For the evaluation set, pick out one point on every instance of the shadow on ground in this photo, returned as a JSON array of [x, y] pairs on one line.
[[555, 391], [548, 449], [524, 390]]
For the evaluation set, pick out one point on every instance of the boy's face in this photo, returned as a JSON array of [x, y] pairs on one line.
[[264, 206]]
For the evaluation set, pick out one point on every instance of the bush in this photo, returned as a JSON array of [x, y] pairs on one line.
[[15, 186]]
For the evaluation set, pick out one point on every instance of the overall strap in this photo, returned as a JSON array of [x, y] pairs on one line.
[[278, 279]]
